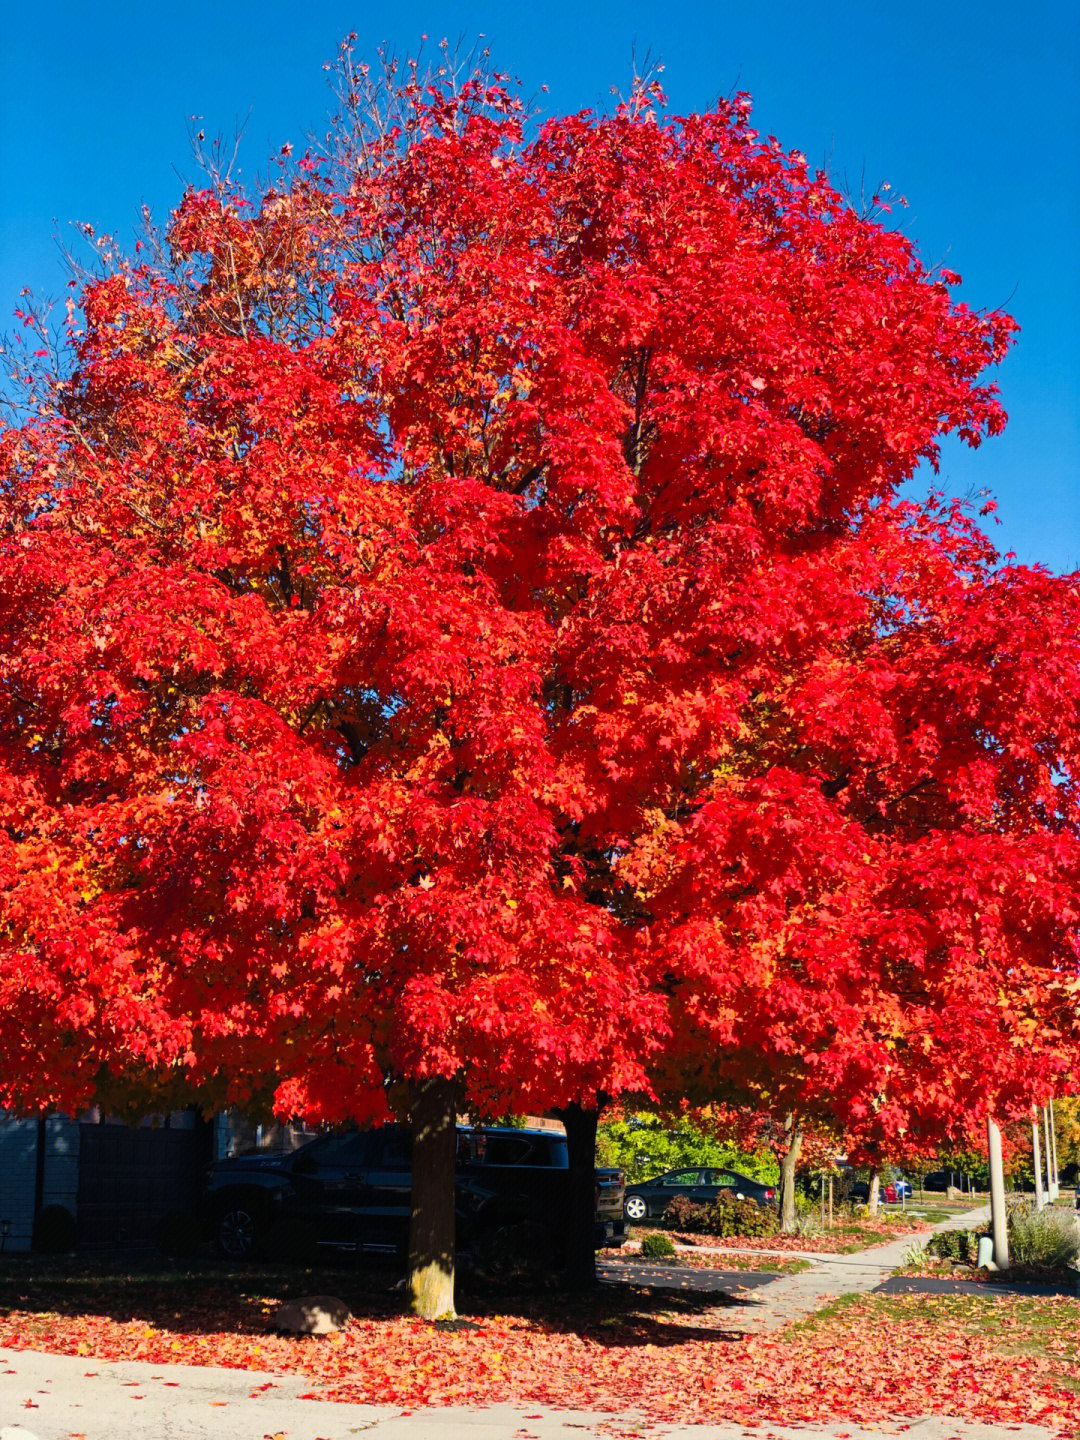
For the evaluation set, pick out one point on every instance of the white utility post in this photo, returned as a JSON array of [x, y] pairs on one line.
[[999, 1225], [1036, 1151], [1053, 1146], [1051, 1178]]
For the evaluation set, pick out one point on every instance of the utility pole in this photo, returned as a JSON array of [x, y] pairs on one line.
[[1053, 1146], [1036, 1150], [999, 1225], [1051, 1187]]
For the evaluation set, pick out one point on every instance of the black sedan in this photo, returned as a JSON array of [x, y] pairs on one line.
[[703, 1185]]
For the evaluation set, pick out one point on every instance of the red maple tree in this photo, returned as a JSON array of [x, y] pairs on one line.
[[462, 645]]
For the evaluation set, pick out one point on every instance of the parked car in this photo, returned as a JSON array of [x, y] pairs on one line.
[[702, 1184], [897, 1190], [351, 1190], [940, 1180]]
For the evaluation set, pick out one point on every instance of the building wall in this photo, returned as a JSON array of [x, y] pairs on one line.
[[18, 1151]]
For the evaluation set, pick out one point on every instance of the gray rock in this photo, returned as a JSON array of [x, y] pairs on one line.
[[310, 1315]]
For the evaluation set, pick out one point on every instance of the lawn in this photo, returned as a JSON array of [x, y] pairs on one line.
[[668, 1355]]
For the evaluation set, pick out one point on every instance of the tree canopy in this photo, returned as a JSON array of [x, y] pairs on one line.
[[459, 618]]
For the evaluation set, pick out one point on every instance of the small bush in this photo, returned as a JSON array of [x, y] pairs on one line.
[[745, 1218], [726, 1217], [657, 1247], [957, 1245], [1045, 1239], [682, 1214]]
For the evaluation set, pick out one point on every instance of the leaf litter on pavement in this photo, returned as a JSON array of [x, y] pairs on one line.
[[667, 1357]]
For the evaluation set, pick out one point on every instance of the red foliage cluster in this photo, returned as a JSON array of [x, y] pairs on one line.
[[457, 617]]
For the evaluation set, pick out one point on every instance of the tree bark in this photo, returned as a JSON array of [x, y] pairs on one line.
[[793, 1134], [580, 1219], [432, 1116], [873, 1199]]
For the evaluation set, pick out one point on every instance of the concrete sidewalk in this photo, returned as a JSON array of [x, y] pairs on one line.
[[794, 1297], [97, 1400]]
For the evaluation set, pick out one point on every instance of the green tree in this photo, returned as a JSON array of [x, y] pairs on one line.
[[644, 1143]]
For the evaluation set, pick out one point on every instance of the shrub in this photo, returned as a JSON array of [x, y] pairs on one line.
[[728, 1216], [1046, 1239], [958, 1245], [657, 1247], [725, 1217], [683, 1214]]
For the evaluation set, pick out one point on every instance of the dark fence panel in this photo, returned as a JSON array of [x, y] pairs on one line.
[[131, 1179]]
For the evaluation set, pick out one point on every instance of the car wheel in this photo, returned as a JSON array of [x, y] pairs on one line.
[[239, 1231], [634, 1208]]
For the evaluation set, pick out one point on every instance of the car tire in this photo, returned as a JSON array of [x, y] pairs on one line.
[[635, 1209], [239, 1232]]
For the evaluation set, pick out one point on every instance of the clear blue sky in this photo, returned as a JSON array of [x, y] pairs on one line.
[[972, 111]]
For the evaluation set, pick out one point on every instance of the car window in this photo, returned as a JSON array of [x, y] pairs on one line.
[[680, 1177], [557, 1155], [496, 1147], [346, 1148], [722, 1177], [391, 1147], [511, 1150]]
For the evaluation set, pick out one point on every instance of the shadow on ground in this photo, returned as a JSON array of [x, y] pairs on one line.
[[654, 1305]]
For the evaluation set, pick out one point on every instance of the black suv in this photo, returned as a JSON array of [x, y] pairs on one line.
[[352, 1190]]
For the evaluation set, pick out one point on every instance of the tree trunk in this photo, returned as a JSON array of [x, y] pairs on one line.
[[433, 1116], [580, 1218], [790, 1159], [873, 1199]]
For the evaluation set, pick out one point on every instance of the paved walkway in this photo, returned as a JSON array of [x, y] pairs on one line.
[[96, 1400], [793, 1297]]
